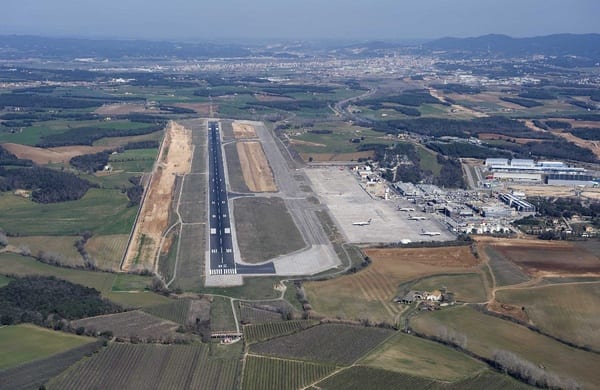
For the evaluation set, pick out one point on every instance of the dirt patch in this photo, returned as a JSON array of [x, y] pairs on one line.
[[243, 130], [59, 155], [456, 107], [175, 157], [122, 109], [550, 258], [508, 310], [306, 143], [255, 167]]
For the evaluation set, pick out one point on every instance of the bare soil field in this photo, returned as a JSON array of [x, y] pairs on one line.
[[370, 292], [545, 258], [122, 109], [255, 167], [243, 130], [58, 155], [175, 158], [131, 324], [107, 251], [324, 157]]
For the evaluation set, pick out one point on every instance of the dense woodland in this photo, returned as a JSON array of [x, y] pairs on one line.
[[40, 299], [91, 163], [464, 149], [7, 158], [46, 185], [587, 133], [87, 135]]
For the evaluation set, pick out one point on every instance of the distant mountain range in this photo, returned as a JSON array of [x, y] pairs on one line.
[[581, 45]]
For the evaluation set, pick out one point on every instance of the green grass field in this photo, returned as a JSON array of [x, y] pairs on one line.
[[24, 343], [136, 160], [4, 280], [428, 160], [569, 311], [466, 287], [100, 211], [64, 247], [419, 357], [486, 334], [221, 315]]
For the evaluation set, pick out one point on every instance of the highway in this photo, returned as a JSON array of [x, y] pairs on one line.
[[222, 260]]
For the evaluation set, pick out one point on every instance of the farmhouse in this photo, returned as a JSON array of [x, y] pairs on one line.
[[434, 296]]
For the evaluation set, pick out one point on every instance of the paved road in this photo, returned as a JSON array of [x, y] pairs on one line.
[[220, 243]]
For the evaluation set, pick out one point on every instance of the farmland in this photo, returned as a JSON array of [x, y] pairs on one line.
[[265, 229], [505, 271], [368, 294], [485, 334], [131, 324], [254, 315], [134, 366], [466, 287], [62, 248], [221, 315], [24, 343], [107, 251], [263, 373], [360, 377], [262, 332], [568, 311], [333, 343], [418, 357], [176, 311]]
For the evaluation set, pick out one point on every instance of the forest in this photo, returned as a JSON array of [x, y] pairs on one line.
[[87, 135]]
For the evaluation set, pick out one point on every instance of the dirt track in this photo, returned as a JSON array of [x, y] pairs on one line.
[[255, 168], [243, 130], [174, 159]]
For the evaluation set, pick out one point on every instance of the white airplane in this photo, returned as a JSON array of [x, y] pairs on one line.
[[413, 218], [406, 209], [362, 223], [423, 232]]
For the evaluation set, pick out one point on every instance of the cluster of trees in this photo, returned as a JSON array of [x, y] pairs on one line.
[[592, 134], [580, 104], [558, 149], [7, 158], [36, 298], [527, 103], [135, 193], [451, 174], [91, 163], [45, 101], [464, 149], [565, 207], [537, 93], [87, 135], [47, 185]]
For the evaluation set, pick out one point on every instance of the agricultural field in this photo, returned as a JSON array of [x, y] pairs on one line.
[[134, 161], [419, 357], [25, 343], [253, 315], [485, 334], [333, 343], [61, 248], [107, 251], [267, 331], [265, 229], [131, 324], [369, 293], [221, 315], [263, 373], [505, 272], [37, 372], [466, 287], [568, 311], [101, 211], [361, 377], [134, 366], [176, 311]]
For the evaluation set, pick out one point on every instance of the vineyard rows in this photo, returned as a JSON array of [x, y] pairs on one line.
[[258, 316], [263, 373], [262, 332], [176, 311], [145, 366]]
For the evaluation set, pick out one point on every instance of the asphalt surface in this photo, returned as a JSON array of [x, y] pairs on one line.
[[222, 261]]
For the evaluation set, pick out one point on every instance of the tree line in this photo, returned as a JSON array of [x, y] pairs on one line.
[[87, 135]]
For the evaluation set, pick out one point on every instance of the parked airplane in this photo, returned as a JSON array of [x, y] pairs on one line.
[[362, 223], [413, 218], [423, 232], [406, 209]]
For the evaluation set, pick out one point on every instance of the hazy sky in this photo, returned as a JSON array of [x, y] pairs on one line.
[[353, 19]]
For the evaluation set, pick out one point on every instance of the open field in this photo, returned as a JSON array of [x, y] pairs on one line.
[[324, 157], [466, 287], [24, 343], [134, 161], [567, 311], [262, 332], [131, 324], [263, 373], [62, 248], [265, 229], [253, 315], [419, 357], [243, 130], [549, 257], [255, 167], [135, 366], [201, 108], [37, 372], [122, 109], [485, 334], [340, 190], [175, 158], [221, 315], [235, 174], [58, 155], [368, 294], [334, 343], [176, 311], [107, 251], [100, 211], [505, 272]]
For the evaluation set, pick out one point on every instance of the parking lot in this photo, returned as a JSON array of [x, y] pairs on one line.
[[349, 203]]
